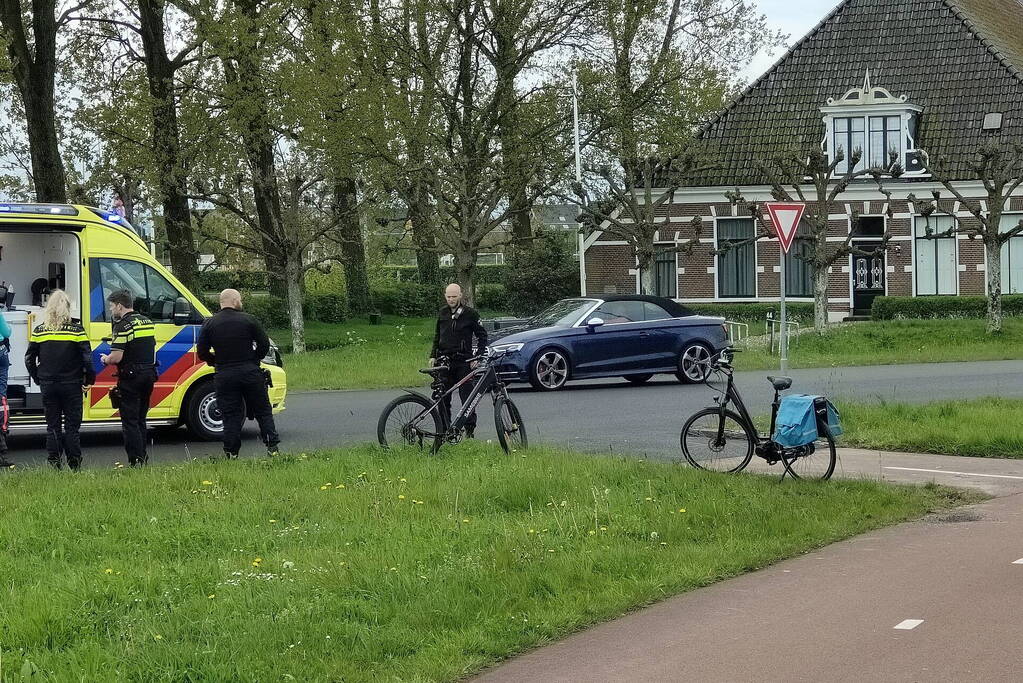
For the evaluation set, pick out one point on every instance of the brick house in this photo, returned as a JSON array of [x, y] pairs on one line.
[[877, 75]]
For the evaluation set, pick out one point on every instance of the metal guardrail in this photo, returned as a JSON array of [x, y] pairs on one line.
[[774, 334], [736, 331]]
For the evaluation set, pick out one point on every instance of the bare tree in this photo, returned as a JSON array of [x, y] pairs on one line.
[[812, 178], [999, 166]]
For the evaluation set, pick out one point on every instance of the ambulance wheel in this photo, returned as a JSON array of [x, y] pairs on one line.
[[202, 414]]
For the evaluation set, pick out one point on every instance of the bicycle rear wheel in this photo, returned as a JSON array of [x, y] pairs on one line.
[[717, 441], [510, 430], [818, 465], [403, 423]]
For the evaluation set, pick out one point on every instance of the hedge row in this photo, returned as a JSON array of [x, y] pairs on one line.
[[755, 313], [217, 280], [412, 299], [933, 307], [272, 311]]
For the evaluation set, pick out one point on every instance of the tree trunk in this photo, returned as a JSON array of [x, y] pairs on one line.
[[820, 299], [644, 263], [293, 279], [34, 66], [420, 215], [353, 247], [465, 275], [166, 144], [994, 285]]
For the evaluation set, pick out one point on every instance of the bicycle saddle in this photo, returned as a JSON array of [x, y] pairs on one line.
[[780, 383]]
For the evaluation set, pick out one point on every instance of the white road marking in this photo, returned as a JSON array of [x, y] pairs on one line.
[[965, 474], [908, 624], [1019, 561]]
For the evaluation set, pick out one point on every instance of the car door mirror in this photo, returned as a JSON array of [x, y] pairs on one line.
[[594, 323], [182, 311]]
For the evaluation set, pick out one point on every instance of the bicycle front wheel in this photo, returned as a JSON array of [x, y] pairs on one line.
[[408, 421], [510, 430], [717, 440], [820, 464]]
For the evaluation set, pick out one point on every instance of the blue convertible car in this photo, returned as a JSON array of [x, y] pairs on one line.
[[634, 337]]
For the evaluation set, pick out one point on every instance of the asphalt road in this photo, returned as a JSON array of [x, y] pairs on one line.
[[598, 416], [933, 600]]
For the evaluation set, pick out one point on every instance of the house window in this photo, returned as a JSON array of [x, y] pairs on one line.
[[935, 267], [1012, 257], [885, 138], [798, 271], [737, 269], [849, 137], [665, 273]]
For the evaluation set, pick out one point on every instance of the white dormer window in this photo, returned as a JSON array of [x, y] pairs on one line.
[[875, 122]]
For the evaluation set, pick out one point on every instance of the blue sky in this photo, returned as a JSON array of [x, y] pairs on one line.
[[794, 17]]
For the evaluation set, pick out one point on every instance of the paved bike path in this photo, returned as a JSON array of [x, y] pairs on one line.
[[848, 612]]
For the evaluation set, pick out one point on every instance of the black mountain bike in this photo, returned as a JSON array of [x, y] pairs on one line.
[[415, 420], [724, 440]]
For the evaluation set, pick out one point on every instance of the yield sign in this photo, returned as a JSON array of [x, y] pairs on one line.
[[786, 217]]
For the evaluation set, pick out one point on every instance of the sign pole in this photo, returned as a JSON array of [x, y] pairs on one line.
[[785, 217], [784, 320]]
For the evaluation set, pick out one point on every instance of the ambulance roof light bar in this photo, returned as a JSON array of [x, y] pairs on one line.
[[46, 209]]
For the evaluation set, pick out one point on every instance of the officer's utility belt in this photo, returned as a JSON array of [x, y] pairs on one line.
[[129, 371]]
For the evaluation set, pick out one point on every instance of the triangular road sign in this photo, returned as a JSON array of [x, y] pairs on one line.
[[786, 217]]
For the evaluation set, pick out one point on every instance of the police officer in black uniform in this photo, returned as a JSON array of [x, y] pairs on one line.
[[234, 343], [133, 351], [457, 324], [59, 360]]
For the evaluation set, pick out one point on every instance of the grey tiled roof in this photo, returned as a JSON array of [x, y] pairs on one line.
[[958, 59]]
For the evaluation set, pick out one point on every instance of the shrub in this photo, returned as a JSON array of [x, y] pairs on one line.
[[755, 313], [407, 299], [491, 297], [217, 280], [326, 283], [326, 308], [540, 273], [271, 311], [932, 307]]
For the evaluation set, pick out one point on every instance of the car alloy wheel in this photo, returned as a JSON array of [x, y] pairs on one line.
[[551, 370], [694, 363]]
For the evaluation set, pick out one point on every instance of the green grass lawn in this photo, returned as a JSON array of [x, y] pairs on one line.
[[369, 356], [988, 427], [897, 341], [359, 565]]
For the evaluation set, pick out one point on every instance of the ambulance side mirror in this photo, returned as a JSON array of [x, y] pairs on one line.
[[182, 311]]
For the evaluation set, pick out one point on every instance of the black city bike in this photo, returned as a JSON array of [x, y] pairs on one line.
[[415, 420], [724, 440]]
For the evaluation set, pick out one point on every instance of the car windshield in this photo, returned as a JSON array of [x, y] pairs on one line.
[[565, 313]]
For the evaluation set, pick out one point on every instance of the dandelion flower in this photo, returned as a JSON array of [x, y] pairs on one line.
[[211, 596], [340, 486], [649, 498], [273, 521], [157, 636], [681, 509], [591, 532], [663, 543], [108, 570], [288, 564], [207, 482], [465, 521], [324, 488], [401, 497], [654, 535], [603, 528], [532, 531]]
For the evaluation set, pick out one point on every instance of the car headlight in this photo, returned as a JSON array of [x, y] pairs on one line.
[[273, 356], [506, 348]]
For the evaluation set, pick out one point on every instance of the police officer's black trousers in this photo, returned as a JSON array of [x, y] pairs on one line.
[[62, 405], [457, 373], [136, 389], [239, 387]]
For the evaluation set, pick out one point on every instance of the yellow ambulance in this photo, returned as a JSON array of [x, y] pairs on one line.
[[90, 253]]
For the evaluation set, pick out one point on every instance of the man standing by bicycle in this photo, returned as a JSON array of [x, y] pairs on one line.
[[457, 324]]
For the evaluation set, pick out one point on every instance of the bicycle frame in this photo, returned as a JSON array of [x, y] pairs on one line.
[[486, 379]]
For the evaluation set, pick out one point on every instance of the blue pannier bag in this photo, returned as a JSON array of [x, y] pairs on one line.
[[797, 422]]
